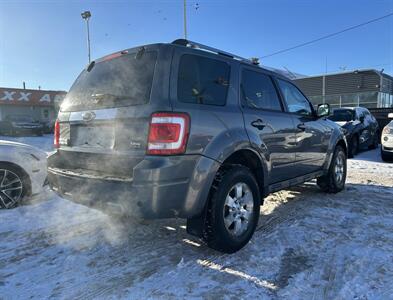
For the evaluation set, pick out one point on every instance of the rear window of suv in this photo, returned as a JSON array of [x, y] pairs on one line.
[[202, 80], [121, 81]]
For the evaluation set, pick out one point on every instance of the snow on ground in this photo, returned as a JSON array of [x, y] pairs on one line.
[[308, 245]]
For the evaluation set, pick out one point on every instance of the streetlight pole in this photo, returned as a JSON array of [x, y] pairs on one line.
[[185, 18], [86, 16]]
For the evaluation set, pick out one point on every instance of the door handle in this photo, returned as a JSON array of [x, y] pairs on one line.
[[258, 124], [301, 126]]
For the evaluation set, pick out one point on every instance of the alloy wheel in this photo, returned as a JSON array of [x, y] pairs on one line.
[[238, 209], [339, 169], [11, 188]]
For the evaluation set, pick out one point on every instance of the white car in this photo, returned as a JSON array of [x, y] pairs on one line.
[[22, 172], [387, 141]]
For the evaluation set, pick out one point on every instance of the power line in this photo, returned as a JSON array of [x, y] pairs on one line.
[[328, 35]]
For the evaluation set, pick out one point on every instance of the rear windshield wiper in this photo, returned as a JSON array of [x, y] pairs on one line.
[[91, 66]]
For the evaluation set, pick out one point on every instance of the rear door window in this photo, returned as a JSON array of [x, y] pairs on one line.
[[258, 91], [202, 80]]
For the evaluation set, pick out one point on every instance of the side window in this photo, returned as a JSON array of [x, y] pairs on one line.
[[202, 80], [359, 114], [295, 100], [258, 91]]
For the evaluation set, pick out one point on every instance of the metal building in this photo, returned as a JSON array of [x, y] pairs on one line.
[[368, 88], [42, 105]]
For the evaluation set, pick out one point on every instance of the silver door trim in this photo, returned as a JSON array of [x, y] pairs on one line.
[[100, 114]]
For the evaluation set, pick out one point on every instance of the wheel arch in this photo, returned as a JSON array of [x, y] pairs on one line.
[[246, 157], [338, 141], [343, 144], [251, 159]]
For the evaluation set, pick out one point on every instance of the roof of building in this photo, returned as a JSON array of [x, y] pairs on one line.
[[351, 71]]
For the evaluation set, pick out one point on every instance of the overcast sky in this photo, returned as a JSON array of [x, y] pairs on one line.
[[44, 42]]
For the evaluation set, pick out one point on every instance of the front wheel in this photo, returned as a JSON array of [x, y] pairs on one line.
[[14, 185], [334, 180], [233, 211]]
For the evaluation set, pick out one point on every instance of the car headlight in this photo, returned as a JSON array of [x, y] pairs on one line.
[[387, 130]]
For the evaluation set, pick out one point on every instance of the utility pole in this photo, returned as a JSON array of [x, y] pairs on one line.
[[86, 16], [185, 18]]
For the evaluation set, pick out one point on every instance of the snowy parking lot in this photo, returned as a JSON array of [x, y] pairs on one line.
[[308, 245]]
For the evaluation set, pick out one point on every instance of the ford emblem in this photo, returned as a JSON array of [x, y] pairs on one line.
[[88, 116]]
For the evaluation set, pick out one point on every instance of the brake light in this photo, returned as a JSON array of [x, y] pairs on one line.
[[56, 140], [168, 133]]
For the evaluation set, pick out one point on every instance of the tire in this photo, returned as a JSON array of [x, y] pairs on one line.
[[353, 147], [331, 182], [234, 197], [12, 198]]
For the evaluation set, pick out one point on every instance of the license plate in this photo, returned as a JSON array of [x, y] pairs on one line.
[[99, 136]]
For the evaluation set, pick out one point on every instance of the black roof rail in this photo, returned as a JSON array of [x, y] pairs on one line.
[[187, 43]]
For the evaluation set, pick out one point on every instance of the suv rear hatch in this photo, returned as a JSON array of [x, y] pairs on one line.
[[104, 119]]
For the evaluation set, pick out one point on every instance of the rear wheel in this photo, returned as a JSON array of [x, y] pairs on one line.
[[233, 211], [334, 180], [14, 185]]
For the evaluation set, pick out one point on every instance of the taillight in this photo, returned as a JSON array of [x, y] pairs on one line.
[[56, 140], [168, 133]]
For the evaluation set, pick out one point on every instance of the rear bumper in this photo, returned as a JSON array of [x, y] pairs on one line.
[[161, 187]]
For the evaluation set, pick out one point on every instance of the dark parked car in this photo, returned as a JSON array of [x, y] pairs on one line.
[[20, 124], [360, 127], [48, 126], [185, 130]]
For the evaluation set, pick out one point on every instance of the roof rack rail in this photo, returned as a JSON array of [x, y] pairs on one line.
[[187, 43]]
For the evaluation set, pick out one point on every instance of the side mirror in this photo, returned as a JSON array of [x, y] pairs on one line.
[[323, 110], [361, 119], [390, 116]]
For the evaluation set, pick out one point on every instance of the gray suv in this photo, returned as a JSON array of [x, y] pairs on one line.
[[185, 130]]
